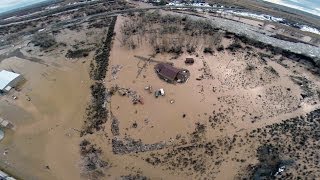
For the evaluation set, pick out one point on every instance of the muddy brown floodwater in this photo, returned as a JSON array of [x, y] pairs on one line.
[[237, 93], [44, 143], [45, 134], [239, 102]]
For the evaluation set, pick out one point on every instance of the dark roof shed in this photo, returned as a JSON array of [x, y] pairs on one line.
[[167, 71]]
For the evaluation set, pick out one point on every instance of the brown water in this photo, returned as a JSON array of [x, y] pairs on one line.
[[46, 128], [233, 91], [45, 132]]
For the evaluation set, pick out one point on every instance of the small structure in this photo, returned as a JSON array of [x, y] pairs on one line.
[[171, 74], [5, 123], [5, 176], [189, 61], [8, 80], [1, 134]]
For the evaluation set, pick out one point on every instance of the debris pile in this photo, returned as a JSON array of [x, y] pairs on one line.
[[115, 126], [270, 162], [129, 145], [135, 98], [114, 71], [148, 88], [206, 72], [297, 138], [92, 164]]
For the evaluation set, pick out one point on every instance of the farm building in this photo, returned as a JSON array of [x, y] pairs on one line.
[[8, 80], [171, 74]]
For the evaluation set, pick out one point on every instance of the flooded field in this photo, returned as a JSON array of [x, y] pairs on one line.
[[47, 113], [209, 127], [106, 101]]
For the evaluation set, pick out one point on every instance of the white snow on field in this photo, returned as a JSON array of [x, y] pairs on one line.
[[52, 7], [268, 18], [192, 4], [83, 2], [201, 4], [310, 29], [256, 16]]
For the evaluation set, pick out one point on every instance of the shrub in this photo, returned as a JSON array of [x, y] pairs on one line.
[[208, 50], [43, 40], [234, 46], [250, 67], [78, 53], [220, 48]]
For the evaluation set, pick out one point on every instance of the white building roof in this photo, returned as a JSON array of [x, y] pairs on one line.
[[6, 77]]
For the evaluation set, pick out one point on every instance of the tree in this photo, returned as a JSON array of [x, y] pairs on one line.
[[43, 40]]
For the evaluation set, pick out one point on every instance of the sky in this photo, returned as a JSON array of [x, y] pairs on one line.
[[7, 5], [310, 6]]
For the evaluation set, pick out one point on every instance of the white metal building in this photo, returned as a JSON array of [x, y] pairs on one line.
[[8, 80]]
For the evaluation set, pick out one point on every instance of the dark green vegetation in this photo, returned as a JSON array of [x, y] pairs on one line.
[[78, 53], [43, 40], [91, 162], [96, 112], [93, 165], [101, 60]]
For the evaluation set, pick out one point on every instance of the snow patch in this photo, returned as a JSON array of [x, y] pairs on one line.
[[310, 29]]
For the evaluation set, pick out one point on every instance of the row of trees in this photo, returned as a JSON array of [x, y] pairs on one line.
[[169, 33]]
